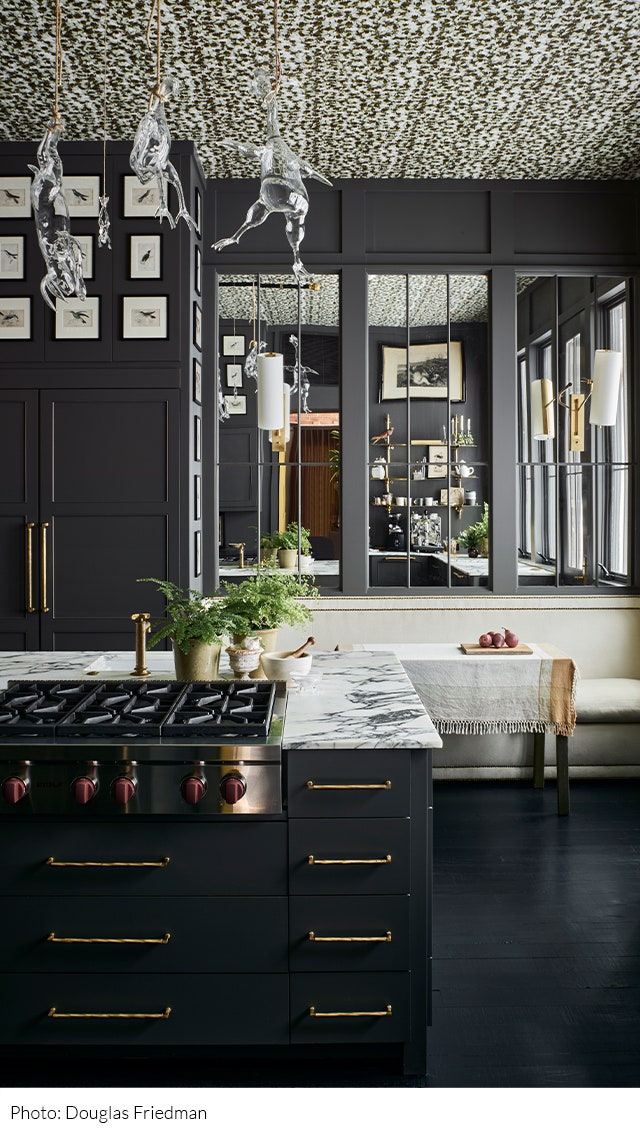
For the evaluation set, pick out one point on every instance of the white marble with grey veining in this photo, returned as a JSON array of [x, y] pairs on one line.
[[364, 701]]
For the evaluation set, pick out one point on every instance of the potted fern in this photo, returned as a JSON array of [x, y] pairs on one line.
[[476, 537], [197, 627], [259, 604], [288, 542]]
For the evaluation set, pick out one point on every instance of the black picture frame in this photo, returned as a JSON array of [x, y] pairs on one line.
[[197, 209], [427, 372], [197, 438], [197, 325], [197, 272], [197, 381]]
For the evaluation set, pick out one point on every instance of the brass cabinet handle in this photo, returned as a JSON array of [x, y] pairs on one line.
[[54, 1014], [349, 785], [30, 529], [349, 860], [333, 1015], [92, 864], [164, 939], [44, 526], [350, 939]]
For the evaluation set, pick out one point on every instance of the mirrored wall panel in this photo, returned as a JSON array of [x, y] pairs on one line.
[[429, 442], [573, 475], [279, 454]]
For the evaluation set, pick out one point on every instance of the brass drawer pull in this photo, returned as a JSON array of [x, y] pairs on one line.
[[164, 939], [333, 1015], [44, 526], [350, 939], [349, 785], [53, 1014], [349, 860], [30, 529], [93, 864]]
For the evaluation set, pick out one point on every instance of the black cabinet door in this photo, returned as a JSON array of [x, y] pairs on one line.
[[19, 582], [238, 449]]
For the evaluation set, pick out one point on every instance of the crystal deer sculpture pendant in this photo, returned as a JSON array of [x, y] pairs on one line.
[[281, 172]]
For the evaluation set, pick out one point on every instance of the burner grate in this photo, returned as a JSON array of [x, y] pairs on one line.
[[136, 709]]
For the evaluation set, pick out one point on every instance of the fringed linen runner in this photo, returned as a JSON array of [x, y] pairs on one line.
[[485, 695]]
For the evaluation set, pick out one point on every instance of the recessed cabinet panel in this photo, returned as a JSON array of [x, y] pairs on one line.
[[14, 439], [107, 450], [399, 222]]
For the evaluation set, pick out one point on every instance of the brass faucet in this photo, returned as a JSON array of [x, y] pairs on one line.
[[142, 627], [239, 545]]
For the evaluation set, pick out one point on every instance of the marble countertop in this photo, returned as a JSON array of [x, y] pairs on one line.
[[316, 569], [363, 700]]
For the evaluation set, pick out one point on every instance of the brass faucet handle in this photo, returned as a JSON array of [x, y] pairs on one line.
[[240, 546], [141, 616]]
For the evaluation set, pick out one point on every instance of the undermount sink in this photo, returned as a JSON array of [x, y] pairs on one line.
[[120, 665]]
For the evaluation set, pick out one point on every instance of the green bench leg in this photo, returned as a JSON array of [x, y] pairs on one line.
[[538, 760], [562, 773]]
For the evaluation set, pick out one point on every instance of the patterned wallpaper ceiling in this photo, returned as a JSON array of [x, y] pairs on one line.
[[372, 88]]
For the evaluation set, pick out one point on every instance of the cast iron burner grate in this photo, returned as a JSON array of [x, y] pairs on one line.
[[136, 709]]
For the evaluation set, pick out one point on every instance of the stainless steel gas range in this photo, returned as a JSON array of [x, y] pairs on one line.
[[134, 748]]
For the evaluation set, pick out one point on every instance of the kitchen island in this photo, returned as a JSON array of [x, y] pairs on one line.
[[313, 920]]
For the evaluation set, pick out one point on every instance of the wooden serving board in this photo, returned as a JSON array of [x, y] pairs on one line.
[[476, 650]]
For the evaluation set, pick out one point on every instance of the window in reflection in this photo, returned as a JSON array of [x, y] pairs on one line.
[[573, 480], [428, 472], [279, 489]]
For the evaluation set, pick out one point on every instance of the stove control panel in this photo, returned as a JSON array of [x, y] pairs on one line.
[[156, 783]]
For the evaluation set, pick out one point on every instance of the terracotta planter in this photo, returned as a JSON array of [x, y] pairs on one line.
[[288, 558], [201, 662], [267, 638]]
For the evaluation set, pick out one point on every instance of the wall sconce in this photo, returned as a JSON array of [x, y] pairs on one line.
[[281, 437], [607, 370], [542, 409], [270, 391]]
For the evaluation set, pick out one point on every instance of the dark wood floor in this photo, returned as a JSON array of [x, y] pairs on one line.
[[536, 937], [536, 955]]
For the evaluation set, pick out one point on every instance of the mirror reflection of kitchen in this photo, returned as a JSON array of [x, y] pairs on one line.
[[279, 490]]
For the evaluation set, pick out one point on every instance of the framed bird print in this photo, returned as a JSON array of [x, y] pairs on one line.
[[15, 197], [85, 241], [82, 195], [15, 317], [12, 258], [144, 317], [145, 256], [78, 319], [140, 200]]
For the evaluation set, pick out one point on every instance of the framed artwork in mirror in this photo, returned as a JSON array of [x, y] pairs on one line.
[[78, 319], [233, 345], [197, 381], [427, 372], [197, 438], [15, 318], [197, 283], [15, 197], [454, 496], [82, 195], [144, 317], [197, 498], [234, 375], [197, 553], [145, 254], [86, 244], [437, 467], [197, 211], [140, 200], [236, 404], [12, 258]]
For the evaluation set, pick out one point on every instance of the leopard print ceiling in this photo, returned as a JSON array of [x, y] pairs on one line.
[[372, 88]]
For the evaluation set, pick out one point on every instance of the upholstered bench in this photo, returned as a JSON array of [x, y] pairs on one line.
[[606, 740]]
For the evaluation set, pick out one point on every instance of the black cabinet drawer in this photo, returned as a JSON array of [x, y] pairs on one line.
[[349, 856], [348, 784], [236, 934], [204, 1009], [342, 933], [179, 858], [337, 1007]]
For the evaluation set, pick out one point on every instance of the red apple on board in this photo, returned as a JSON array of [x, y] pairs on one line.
[[510, 638], [498, 640]]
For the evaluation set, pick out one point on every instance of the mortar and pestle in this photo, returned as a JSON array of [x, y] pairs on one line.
[[288, 665]]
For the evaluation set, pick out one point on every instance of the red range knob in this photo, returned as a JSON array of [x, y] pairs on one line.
[[83, 790], [123, 790], [13, 789], [193, 789], [232, 788]]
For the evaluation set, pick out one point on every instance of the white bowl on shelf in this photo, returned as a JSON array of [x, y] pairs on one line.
[[284, 666]]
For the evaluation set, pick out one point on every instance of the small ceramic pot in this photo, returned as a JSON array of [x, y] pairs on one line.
[[288, 558], [201, 662]]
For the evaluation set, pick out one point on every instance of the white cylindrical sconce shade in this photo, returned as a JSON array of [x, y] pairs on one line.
[[270, 391], [542, 407], [607, 369]]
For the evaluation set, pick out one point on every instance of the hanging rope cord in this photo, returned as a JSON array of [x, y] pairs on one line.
[[104, 100], [58, 67], [278, 75], [156, 11]]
